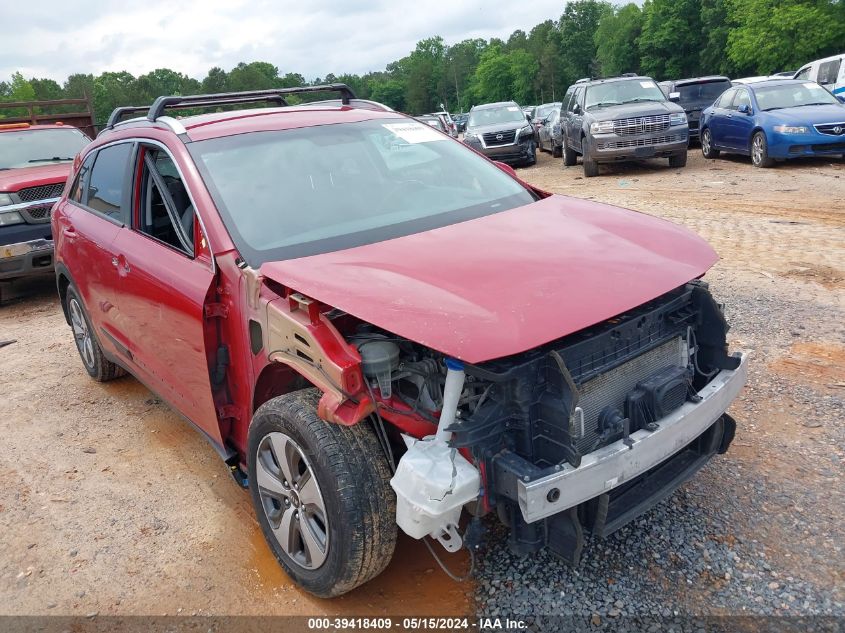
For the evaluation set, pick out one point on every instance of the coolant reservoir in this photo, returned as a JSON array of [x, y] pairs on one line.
[[432, 483]]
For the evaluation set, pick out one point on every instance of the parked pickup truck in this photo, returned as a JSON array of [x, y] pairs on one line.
[[35, 160]]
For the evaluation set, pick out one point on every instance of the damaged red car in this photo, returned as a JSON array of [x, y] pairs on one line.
[[378, 328]]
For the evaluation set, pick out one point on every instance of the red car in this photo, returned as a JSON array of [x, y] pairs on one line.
[[34, 165], [375, 325]]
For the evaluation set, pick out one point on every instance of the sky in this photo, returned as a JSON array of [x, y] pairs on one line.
[[311, 37]]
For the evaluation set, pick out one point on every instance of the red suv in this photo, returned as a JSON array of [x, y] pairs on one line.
[[34, 165], [375, 326]]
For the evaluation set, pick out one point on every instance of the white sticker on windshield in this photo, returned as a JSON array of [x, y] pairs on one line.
[[513, 109], [645, 84], [414, 132]]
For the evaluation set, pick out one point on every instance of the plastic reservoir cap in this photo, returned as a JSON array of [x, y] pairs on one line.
[[454, 364], [378, 360]]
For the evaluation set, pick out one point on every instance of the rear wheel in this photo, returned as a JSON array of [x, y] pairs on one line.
[[760, 151], [321, 494], [570, 158], [96, 364], [556, 150], [707, 149]]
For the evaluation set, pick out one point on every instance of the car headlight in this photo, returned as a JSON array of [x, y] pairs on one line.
[[525, 131], [10, 217], [601, 127], [469, 136], [791, 129], [678, 118], [5, 199]]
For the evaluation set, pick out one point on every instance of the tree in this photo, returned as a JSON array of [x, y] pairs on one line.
[[715, 28], [425, 87], [253, 76], [671, 38], [775, 35], [578, 26], [217, 80], [616, 38]]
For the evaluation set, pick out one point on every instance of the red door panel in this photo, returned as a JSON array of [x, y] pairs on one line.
[[161, 294], [87, 241]]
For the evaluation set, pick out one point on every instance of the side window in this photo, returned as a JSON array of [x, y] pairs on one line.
[[726, 98], [107, 180], [567, 99], [829, 71], [576, 98], [742, 98], [165, 210], [77, 192], [804, 73]]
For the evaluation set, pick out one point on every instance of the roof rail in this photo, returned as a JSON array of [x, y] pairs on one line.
[[584, 80], [275, 95]]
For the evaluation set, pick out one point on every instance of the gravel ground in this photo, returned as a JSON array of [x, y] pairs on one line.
[[111, 504], [760, 530]]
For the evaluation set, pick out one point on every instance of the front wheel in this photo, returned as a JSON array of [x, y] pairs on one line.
[[760, 151], [556, 150], [570, 158], [707, 149], [321, 494], [678, 160]]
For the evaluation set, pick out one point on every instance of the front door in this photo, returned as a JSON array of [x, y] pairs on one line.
[[164, 287], [740, 124]]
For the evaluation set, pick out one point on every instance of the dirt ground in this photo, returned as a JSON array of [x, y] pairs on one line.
[[111, 503]]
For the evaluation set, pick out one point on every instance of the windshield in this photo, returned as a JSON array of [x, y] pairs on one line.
[[293, 193], [706, 92], [792, 95], [496, 116], [617, 92], [546, 110], [26, 148]]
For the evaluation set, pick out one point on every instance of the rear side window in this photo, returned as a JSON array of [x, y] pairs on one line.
[[804, 73], [726, 98], [828, 72], [77, 192], [106, 184]]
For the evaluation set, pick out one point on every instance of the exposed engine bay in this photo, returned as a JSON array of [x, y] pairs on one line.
[[517, 419]]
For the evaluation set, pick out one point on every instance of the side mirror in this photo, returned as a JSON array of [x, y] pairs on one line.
[[841, 98], [744, 109], [674, 96], [505, 168], [528, 117], [576, 109]]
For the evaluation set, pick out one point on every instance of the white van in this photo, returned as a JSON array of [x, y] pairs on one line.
[[829, 72]]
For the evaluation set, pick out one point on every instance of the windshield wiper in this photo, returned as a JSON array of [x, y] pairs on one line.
[[773, 108], [602, 104], [48, 160], [817, 103], [638, 99]]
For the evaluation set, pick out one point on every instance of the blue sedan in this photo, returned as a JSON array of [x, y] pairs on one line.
[[774, 120]]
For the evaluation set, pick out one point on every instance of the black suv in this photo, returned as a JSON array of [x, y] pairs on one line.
[[693, 95], [502, 131], [621, 119]]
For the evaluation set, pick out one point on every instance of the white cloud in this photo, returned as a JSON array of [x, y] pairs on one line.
[[314, 37]]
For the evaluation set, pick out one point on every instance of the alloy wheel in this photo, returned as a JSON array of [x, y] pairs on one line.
[[81, 333], [757, 150], [705, 142], [292, 500]]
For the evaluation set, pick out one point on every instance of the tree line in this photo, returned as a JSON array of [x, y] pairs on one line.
[[665, 39]]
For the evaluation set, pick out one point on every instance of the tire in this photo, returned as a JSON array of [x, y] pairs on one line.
[[707, 149], [678, 160], [760, 151], [95, 362], [350, 509], [532, 155], [591, 167], [570, 158], [556, 151]]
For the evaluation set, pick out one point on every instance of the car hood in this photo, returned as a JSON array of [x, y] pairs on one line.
[[808, 115], [12, 180], [630, 110], [508, 282]]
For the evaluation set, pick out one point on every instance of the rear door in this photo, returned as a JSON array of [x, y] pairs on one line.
[[166, 274], [96, 209]]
